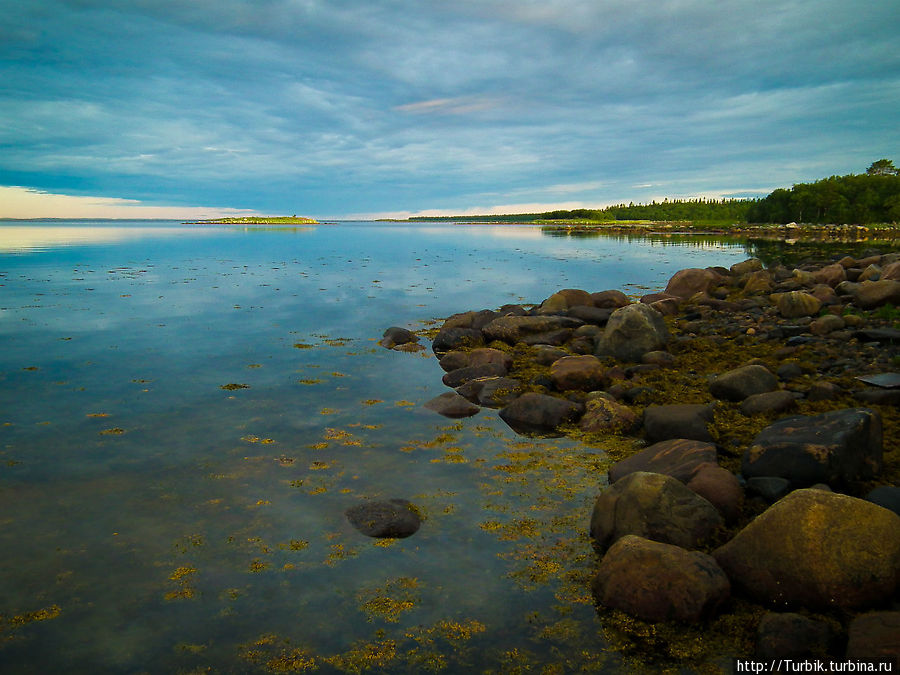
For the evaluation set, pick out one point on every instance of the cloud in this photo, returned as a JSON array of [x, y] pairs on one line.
[[19, 202], [327, 107]]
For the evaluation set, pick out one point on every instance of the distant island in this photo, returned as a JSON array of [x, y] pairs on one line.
[[257, 220]]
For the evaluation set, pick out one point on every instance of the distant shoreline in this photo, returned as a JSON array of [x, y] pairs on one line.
[[256, 220]]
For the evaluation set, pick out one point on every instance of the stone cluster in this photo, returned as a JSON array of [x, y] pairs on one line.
[[678, 532]]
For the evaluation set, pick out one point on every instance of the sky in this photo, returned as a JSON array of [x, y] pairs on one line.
[[390, 108]]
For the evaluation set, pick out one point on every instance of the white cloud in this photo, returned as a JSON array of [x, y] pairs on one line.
[[21, 202]]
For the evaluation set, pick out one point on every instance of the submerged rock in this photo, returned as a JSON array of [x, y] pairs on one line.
[[451, 404], [659, 582], [539, 413], [391, 519]]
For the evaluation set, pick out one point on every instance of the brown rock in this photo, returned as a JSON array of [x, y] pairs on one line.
[[610, 299], [796, 304], [875, 635], [583, 373], [659, 582], [720, 488], [678, 458], [817, 550], [685, 283], [604, 415], [831, 275]]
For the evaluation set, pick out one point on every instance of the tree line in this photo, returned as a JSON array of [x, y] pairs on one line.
[[872, 197]]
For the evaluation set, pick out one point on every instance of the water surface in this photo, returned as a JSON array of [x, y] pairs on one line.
[[154, 521]]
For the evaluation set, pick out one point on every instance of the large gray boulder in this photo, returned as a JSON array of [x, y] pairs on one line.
[[659, 582], [631, 332], [832, 448], [817, 550], [654, 506]]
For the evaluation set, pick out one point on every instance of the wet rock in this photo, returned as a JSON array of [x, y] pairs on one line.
[[769, 488], [786, 635], [889, 336], [823, 391], [455, 360], [451, 404], [738, 384], [878, 396], [872, 294], [830, 274], [826, 324], [825, 294], [456, 378], [789, 371], [817, 550], [449, 339], [796, 303], [512, 329], [659, 582], [545, 355], [689, 421], [539, 413], [395, 337], [887, 496], [871, 273], [720, 488], [496, 392], [874, 635], [833, 448], [666, 306], [769, 402], [891, 270], [610, 299], [633, 331], [604, 415], [564, 299], [679, 458], [583, 373], [685, 283], [654, 506], [598, 316], [758, 283], [658, 358], [746, 267], [391, 519]]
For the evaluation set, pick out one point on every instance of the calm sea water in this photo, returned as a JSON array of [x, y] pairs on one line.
[[153, 521]]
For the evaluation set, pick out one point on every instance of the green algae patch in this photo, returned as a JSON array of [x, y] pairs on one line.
[[389, 602], [233, 386]]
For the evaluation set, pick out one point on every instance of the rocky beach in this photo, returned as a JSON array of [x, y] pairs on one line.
[[750, 417]]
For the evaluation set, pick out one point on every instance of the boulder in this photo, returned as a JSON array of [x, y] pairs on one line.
[[659, 582], [679, 458], [795, 304], [610, 299], [887, 496], [449, 339], [685, 283], [746, 267], [872, 294], [396, 336], [720, 488], [875, 635], [758, 283], [654, 506], [770, 488], [565, 299], [787, 635], [392, 519], [584, 373], [769, 402], [871, 273], [682, 420], [738, 384], [830, 274], [483, 355], [539, 413], [834, 448], [451, 404], [826, 324], [460, 376], [817, 550], [604, 415], [597, 316], [633, 331], [891, 270], [512, 329], [496, 392], [545, 355]]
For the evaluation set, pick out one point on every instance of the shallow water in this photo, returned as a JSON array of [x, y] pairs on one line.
[[156, 522]]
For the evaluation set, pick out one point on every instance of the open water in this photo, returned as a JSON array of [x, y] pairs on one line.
[[156, 522]]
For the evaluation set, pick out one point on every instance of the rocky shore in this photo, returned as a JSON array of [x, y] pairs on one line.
[[753, 416]]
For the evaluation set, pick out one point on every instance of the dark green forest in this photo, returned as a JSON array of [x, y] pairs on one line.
[[871, 197]]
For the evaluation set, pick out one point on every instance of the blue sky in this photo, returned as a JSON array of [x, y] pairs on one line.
[[370, 108]]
